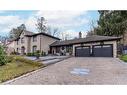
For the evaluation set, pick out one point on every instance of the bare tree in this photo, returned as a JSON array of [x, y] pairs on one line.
[[49, 29], [92, 25], [54, 31], [64, 36], [41, 25]]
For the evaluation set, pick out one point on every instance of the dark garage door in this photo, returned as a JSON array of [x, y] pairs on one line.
[[82, 51], [103, 51]]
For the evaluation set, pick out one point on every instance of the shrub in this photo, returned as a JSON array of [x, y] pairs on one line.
[[37, 54], [14, 53], [43, 53], [3, 60], [33, 54], [23, 60], [29, 54], [10, 58]]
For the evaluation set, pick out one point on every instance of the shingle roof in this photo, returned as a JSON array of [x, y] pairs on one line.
[[42, 33], [28, 32], [94, 38]]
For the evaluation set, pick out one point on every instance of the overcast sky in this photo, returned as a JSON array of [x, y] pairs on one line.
[[70, 22]]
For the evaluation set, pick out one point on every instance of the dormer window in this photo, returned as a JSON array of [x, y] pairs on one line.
[[22, 40], [34, 38]]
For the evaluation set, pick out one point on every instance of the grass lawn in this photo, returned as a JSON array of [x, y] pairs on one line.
[[124, 58], [17, 68]]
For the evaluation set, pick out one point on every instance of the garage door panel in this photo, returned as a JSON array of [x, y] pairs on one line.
[[103, 51], [82, 51], [97, 52]]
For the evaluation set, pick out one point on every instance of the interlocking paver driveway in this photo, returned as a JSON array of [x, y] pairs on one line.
[[102, 71]]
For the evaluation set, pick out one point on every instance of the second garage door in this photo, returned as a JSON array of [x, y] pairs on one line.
[[103, 51]]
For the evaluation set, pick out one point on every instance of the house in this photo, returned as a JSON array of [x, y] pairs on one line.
[[29, 42], [93, 46]]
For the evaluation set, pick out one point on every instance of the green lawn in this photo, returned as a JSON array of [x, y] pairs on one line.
[[17, 67], [124, 58]]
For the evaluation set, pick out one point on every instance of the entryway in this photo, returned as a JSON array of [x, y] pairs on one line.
[[22, 50]]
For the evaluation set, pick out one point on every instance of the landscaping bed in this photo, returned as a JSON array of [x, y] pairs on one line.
[[17, 66], [124, 58]]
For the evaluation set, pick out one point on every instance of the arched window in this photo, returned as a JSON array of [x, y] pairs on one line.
[[34, 48]]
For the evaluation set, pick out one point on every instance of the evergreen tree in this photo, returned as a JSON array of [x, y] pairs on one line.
[[112, 23], [3, 60]]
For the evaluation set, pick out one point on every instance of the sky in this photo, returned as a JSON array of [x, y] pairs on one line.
[[68, 22]]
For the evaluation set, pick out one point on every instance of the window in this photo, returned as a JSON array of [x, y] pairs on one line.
[[34, 48], [17, 42], [22, 40], [17, 49], [62, 48], [68, 49], [34, 38], [57, 49]]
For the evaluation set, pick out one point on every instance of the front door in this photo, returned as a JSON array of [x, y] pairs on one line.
[[23, 50]]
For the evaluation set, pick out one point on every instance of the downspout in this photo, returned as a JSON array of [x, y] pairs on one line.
[[40, 43]]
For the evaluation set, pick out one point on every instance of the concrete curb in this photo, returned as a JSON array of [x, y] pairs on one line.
[[121, 61]]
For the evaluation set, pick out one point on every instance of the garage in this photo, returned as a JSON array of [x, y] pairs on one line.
[[103, 51], [82, 51], [97, 51], [91, 46]]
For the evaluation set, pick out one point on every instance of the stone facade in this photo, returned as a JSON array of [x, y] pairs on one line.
[[25, 44]]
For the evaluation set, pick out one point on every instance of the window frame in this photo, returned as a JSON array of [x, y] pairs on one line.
[[22, 40], [34, 38], [33, 49], [17, 42], [17, 50]]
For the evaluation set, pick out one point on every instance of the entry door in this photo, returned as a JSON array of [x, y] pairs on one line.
[[103, 51], [82, 51]]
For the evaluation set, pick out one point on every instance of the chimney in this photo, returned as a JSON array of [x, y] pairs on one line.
[[80, 35]]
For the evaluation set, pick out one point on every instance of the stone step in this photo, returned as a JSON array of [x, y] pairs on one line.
[[51, 61]]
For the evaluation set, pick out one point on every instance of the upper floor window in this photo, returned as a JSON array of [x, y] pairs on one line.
[[34, 38], [22, 40], [17, 49], [17, 42]]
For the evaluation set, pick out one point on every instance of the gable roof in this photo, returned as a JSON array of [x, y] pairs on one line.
[[30, 34], [42, 33], [94, 38], [26, 33]]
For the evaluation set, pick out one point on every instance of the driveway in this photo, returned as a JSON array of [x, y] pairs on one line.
[[101, 71]]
